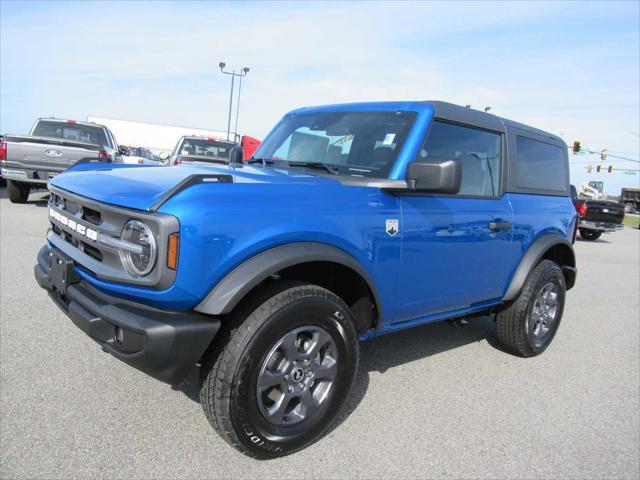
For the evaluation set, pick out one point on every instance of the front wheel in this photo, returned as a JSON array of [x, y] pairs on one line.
[[590, 234], [527, 326], [283, 373]]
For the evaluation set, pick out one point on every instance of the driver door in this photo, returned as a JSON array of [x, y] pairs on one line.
[[456, 248]]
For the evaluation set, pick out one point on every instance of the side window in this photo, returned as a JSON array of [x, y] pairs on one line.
[[478, 150], [113, 139], [540, 165]]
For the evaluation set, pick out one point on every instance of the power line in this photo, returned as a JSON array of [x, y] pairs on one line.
[[608, 155], [623, 158]]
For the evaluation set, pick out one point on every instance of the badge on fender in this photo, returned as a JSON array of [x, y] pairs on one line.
[[392, 227]]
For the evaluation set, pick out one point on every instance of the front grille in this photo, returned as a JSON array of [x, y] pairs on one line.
[[91, 215], [91, 251], [85, 229], [72, 207], [88, 217]]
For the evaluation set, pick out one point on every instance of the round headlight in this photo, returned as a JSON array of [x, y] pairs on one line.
[[140, 263]]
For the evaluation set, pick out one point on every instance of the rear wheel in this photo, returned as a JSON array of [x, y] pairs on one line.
[[527, 326], [590, 234], [283, 373], [18, 191]]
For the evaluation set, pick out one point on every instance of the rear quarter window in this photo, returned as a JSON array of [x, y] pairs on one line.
[[540, 165]]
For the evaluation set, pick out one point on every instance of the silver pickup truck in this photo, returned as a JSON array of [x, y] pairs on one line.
[[52, 146]]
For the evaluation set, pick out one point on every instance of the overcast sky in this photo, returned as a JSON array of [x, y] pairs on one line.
[[570, 68]]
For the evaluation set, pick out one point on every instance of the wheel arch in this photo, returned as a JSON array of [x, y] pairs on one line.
[[552, 247], [318, 263]]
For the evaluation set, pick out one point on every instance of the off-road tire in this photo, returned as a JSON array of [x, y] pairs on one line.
[[228, 392], [513, 321], [589, 234], [18, 191]]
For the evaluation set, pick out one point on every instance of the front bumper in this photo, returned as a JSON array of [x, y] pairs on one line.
[[165, 345], [601, 226]]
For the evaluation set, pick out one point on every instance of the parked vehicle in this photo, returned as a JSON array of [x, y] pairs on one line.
[[249, 146], [597, 216], [52, 146], [138, 155], [593, 190], [349, 222], [157, 137], [630, 198], [201, 150]]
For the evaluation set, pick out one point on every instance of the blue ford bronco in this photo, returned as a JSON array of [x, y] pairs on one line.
[[350, 221]]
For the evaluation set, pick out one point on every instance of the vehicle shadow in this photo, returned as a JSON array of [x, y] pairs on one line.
[[39, 198], [599, 240], [384, 353]]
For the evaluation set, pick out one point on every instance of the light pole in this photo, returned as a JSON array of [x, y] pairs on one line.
[[233, 74]]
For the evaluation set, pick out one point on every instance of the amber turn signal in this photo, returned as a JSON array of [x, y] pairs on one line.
[[172, 252]]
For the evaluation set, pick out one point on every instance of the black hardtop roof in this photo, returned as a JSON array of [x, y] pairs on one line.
[[457, 113]]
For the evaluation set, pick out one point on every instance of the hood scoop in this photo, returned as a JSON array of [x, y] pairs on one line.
[[189, 182]]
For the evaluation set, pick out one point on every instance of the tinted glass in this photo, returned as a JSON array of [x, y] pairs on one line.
[[132, 151], [540, 165], [362, 144], [478, 151], [71, 131], [205, 148]]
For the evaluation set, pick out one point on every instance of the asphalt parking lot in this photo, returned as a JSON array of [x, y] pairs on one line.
[[431, 402]]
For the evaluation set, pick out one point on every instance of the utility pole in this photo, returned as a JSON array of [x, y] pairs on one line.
[[233, 74]]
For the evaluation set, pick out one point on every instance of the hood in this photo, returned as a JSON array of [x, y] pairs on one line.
[[139, 187]]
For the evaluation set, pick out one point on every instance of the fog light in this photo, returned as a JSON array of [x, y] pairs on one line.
[[119, 336]]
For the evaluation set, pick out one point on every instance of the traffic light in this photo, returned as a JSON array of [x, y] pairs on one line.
[[598, 168], [576, 146], [610, 169], [589, 168], [603, 154]]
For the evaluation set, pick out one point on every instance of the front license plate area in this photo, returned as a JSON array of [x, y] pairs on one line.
[[61, 271]]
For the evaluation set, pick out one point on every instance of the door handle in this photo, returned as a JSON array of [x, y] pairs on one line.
[[499, 225]]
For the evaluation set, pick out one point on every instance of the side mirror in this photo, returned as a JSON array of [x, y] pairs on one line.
[[235, 155], [435, 175]]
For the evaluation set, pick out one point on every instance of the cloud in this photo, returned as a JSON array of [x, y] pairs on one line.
[[568, 68]]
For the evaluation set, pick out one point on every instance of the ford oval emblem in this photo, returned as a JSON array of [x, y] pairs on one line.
[[605, 210], [53, 153]]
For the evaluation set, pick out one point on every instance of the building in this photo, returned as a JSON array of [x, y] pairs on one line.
[[156, 137]]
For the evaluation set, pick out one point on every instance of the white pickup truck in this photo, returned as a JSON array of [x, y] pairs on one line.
[[52, 146]]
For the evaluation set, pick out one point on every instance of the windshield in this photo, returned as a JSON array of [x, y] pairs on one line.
[[205, 148], [132, 152], [363, 144], [70, 131]]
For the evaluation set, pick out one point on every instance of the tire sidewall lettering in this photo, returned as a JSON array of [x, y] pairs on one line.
[[256, 431]]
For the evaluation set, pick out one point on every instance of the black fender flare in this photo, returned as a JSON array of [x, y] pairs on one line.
[[533, 256], [229, 291]]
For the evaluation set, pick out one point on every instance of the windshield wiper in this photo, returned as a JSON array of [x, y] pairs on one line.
[[317, 165], [263, 161]]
